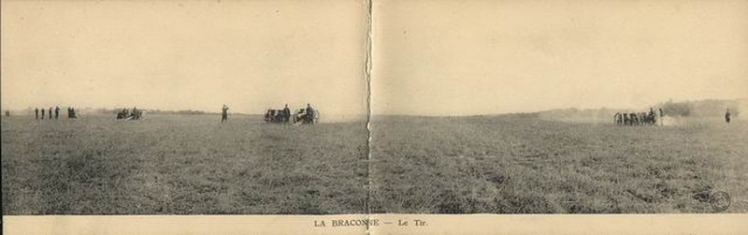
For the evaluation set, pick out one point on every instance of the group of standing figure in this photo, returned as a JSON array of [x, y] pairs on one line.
[[637, 119], [56, 111]]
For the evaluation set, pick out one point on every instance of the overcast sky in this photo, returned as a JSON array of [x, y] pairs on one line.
[[429, 58], [472, 57], [251, 55]]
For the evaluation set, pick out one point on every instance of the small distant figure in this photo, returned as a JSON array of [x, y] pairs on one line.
[[135, 114], [123, 114], [224, 113], [50, 113], [309, 114], [42, 114], [652, 117], [727, 116], [309, 110], [36, 112], [662, 121], [618, 118], [71, 113], [7, 113], [57, 112], [286, 114]]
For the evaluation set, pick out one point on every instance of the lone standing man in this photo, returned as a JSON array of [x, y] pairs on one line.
[[224, 113], [286, 114], [727, 116], [57, 112], [309, 114], [36, 112], [662, 121]]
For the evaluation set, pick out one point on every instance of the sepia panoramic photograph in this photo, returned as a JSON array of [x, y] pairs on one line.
[[374, 107], [184, 107], [560, 107]]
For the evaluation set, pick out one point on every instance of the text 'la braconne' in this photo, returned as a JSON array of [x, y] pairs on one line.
[[367, 222]]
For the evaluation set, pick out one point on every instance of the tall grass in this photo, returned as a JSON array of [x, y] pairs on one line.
[[513, 164], [170, 164]]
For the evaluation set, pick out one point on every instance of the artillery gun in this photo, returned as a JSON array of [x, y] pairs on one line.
[[306, 118]]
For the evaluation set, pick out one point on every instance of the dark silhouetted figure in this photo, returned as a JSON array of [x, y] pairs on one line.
[[71, 113], [57, 112], [286, 113], [42, 114], [224, 113], [727, 116], [36, 112], [309, 114], [50, 113], [135, 114]]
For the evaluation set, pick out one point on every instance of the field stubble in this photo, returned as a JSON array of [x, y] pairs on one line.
[[522, 164], [169, 164]]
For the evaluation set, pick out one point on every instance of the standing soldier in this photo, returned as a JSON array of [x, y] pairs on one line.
[[42, 113], [309, 114], [662, 121], [286, 114], [50, 113], [57, 112], [36, 112], [651, 116], [224, 113], [727, 116]]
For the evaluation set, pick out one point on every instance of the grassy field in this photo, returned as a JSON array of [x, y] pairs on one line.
[[181, 165], [523, 164], [171, 164]]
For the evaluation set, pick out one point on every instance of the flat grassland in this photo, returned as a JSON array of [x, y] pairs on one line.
[[189, 164], [192, 164], [523, 164]]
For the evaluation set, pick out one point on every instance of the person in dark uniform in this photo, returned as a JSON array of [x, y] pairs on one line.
[[309, 114], [36, 112], [286, 114], [57, 112], [42, 113], [50, 113], [224, 113], [727, 116]]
